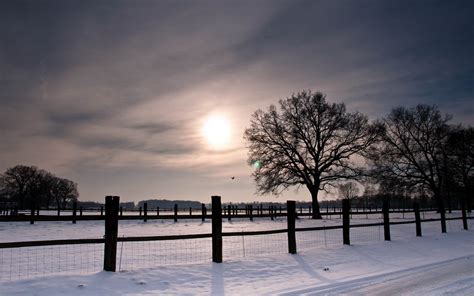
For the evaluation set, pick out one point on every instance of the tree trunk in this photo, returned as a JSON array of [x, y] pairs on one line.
[[316, 214]]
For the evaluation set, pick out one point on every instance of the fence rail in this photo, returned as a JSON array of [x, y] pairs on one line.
[[113, 245]]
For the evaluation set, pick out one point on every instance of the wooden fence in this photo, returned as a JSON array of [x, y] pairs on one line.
[[112, 216]]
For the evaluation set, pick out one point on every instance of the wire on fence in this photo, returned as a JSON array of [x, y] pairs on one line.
[[366, 235], [32, 262], [326, 238], [147, 254]]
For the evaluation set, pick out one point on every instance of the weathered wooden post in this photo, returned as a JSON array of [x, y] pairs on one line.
[[442, 213], [111, 231], [345, 222], [145, 212], [416, 208], [216, 229], [464, 216], [203, 212], [386, 220], [251, 212], [32, 214], [291, 224], [229, 211], [74, 212], [175, 212]]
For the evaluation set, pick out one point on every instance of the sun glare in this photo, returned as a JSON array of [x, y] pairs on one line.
[[216, 131]]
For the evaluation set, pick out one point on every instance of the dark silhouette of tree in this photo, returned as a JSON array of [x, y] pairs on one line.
[[19, 182], [30, 187], [411, 150], [64, 192], [307, 142], [460, 155], [348, 190]]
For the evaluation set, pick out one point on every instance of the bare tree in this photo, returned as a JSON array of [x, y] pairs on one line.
[[348, 190], [19, 181], [460, 154], [307, 142], [64, 192], [32, 187], [411, 150]]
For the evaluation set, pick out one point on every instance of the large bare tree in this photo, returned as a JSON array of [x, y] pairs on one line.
[[412, 149], [460, 154], [307, 142], [29, 186]]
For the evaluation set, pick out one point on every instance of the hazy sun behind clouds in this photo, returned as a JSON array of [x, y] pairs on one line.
[[217, 131]]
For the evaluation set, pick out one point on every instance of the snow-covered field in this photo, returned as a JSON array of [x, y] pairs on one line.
[[434, 264]]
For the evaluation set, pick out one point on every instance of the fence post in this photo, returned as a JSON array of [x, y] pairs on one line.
[[59, 211], [140, 211], [251, 212], [145, 212], [32, 215], [216, 229], [111, 230], [157, 211], [228, 212], [175, 212], [203, 212], [80, 211], [386, 220], [121, 211], [416, 208], [102, 210], [291, 221], [442, 213], [464, 216], [272, 212], [74, 212], [345, 222]]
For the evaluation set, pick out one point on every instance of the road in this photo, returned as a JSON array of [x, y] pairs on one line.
[[453, 277]]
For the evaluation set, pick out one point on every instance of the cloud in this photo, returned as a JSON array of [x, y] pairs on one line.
[[90, 87]]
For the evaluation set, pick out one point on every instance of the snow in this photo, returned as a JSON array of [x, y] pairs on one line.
[[435, 264]]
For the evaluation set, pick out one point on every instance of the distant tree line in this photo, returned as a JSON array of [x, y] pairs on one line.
[[168, 204], [29, 186], [311, 143]]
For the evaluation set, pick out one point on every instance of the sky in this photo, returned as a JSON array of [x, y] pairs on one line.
[[115, 95]]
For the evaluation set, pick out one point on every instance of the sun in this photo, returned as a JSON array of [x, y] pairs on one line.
[[216, 130]]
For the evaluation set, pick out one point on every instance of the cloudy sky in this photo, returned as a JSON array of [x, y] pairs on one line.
[[115, 94]]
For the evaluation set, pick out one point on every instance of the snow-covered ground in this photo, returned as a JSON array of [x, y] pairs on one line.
[[434, 264]]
